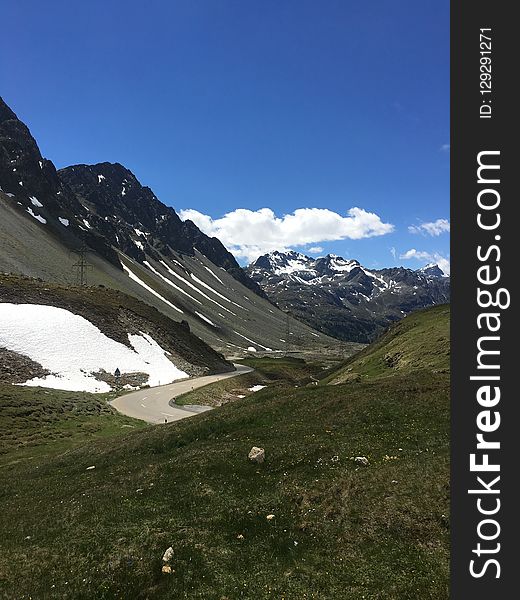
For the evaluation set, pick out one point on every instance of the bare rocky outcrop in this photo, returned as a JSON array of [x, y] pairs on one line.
[[17, 368]]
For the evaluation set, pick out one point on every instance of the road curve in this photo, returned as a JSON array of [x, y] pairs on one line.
[[153, 404]]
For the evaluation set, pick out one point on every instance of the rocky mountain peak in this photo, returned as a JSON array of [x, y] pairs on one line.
[[133, 219], [343, 298], [433, 270], [103, 205], [6, 114]]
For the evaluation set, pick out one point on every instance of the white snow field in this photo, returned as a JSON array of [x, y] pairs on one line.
[[73, 349]]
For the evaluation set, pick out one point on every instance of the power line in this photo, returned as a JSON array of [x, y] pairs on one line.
[[81, 266]]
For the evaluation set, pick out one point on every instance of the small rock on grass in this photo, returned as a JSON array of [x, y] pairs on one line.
[[361, 460], [167, 569], [256, 455], [168, 554]]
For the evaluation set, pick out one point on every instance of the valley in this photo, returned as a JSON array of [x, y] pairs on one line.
[[356, 473], [118, 320]]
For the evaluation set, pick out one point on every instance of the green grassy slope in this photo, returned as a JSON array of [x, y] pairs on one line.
[[37, 422], [420, 341], [340, 529], [285, 370]]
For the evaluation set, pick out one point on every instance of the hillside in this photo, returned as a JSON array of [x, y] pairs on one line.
[[86, 333], [341, 297], [312, 521], [133, 243], [420, 342]]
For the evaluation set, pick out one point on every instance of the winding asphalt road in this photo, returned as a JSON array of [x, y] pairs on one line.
[[153, 404]]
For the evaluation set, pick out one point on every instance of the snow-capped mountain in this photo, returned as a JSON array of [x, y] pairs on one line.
[[433, 270], [131, 242], [343, 298]]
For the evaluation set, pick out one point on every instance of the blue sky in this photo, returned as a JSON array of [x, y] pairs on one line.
[[220, 105]]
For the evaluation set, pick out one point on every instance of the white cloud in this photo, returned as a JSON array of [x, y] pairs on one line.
[[433, 228], [428, 257], [413, 253], [248, 234], [393, 252], [316, 250]]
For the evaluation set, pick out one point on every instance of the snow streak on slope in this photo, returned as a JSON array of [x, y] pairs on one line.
[[172, 272], [253, 342], [73, 349], [176, 287], [215, 276], [37, 217], [133, 276], [205, 319], [199, 281]]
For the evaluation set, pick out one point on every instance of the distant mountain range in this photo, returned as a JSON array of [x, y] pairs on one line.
[[341, 297], [131, 242]]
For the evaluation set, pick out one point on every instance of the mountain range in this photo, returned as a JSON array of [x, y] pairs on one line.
[[100, 222], [341, 297]]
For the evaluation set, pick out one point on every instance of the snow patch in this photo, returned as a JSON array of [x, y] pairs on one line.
[[205, 318], [256, 388], [73, 349], [37, 217], [35, 202], [253, 342], [63, 221]]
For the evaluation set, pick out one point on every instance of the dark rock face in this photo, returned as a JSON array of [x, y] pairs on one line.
[[17, 368], [341, 297], [32, 184], [131, 218], [103, 206]]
